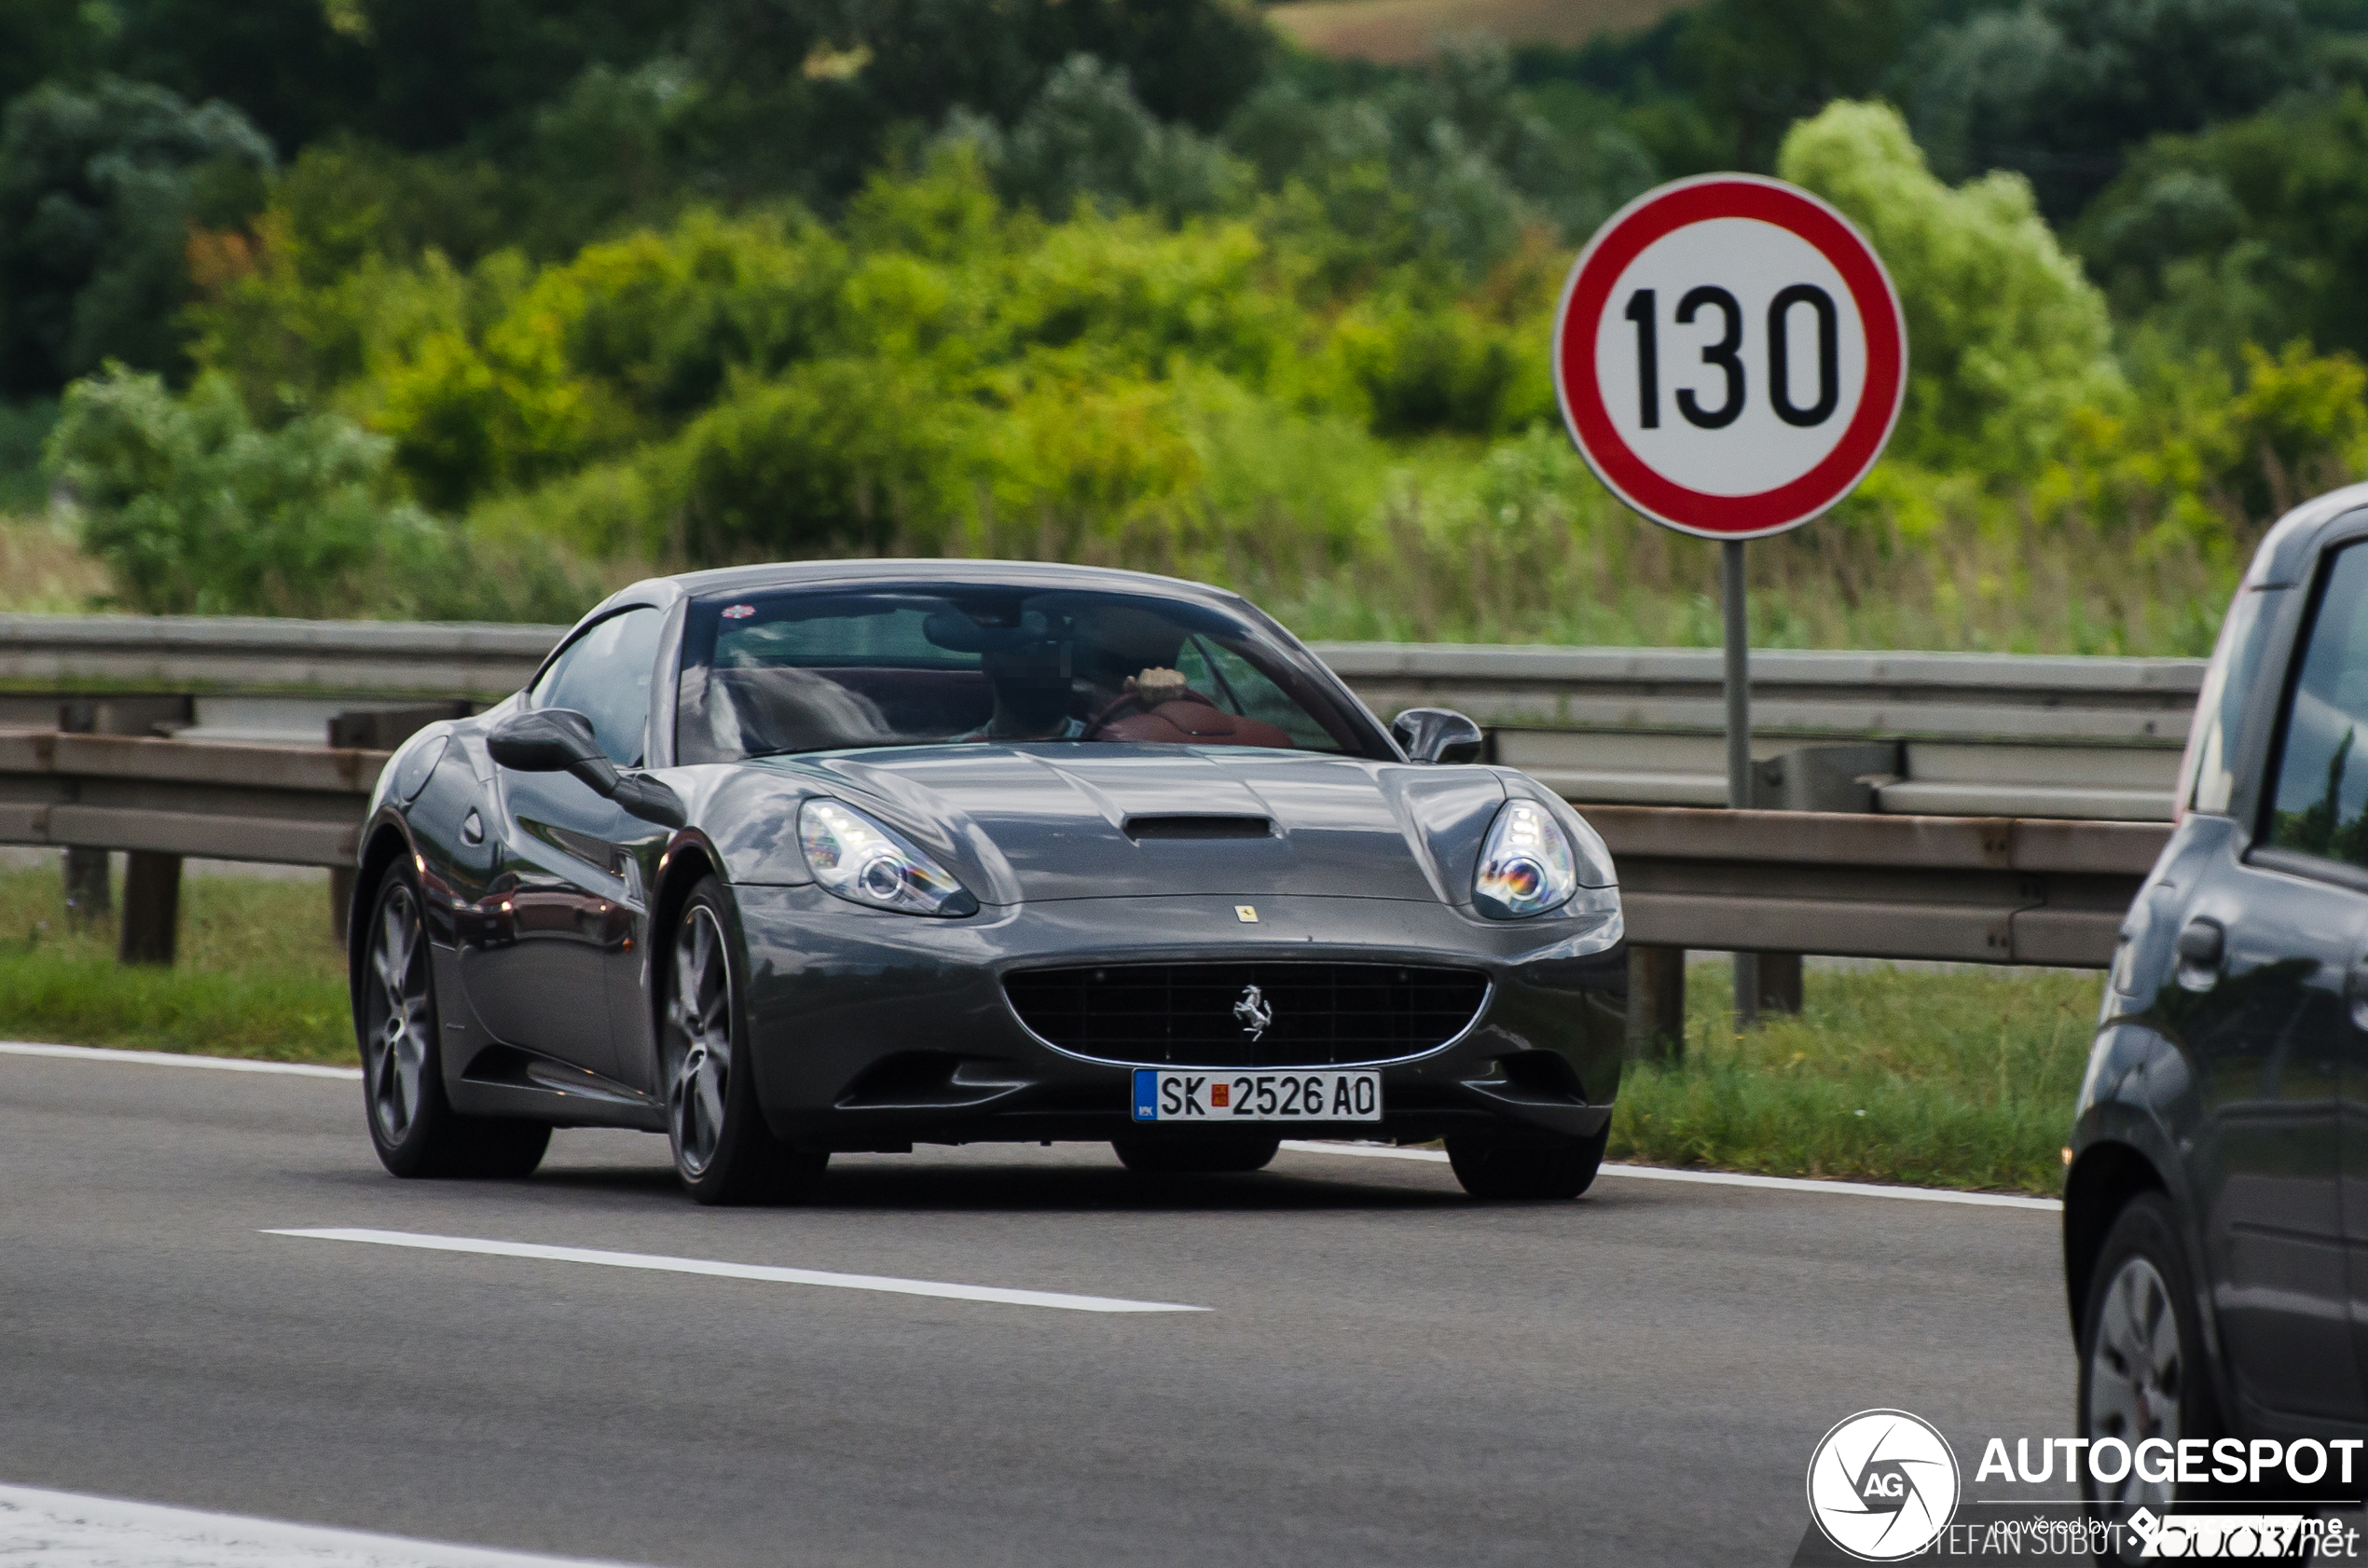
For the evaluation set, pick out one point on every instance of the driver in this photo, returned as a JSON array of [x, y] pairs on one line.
[[1032, 696]]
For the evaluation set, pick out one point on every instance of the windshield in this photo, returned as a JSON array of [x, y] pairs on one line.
[[833, 669]]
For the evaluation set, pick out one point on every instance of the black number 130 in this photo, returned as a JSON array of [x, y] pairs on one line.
[[1725, 355]]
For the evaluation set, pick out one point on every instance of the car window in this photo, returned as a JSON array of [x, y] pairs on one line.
[[1243, 688], [2319, 802], [2207, 772], [833, 669], [605, 676]]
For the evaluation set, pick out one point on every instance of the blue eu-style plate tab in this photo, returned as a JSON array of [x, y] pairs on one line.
[[1147, 1095]]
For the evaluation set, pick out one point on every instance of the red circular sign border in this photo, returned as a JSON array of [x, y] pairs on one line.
[[1670, 207]]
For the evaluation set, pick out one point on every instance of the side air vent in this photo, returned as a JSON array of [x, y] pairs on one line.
[[1141, 828]]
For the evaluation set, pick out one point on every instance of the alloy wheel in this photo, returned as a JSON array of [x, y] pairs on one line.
[[698, 1041], [396, 1045], [2137, 1377]]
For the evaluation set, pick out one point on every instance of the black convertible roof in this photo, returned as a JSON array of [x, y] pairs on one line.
[[1048, 574]]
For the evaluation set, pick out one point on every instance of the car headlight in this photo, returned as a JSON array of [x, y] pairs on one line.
[[1526, 866], [867, 863]]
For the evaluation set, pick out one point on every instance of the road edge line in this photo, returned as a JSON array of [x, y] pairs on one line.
[[174, 1059], [1725, 1178], [181, 1527]]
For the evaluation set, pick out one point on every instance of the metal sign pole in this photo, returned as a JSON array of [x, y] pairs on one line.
[[1739, 744]]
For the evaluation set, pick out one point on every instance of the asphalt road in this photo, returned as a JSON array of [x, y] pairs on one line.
[[1388, 1372]]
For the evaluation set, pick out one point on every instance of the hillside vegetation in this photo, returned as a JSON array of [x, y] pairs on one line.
[[410, 310]]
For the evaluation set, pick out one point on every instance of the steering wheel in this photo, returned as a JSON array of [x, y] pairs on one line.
[[1094, 726]]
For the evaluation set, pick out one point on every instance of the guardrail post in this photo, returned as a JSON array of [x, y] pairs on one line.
[[151, 908], [341, 900], [1779, 982], [90, 897], [1656, 1004]]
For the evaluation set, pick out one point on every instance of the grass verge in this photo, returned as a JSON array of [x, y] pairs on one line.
[[258, 974], [1961, 1079]]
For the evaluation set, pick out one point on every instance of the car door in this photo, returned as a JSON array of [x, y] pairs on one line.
[[569, 893], [2266, 955]]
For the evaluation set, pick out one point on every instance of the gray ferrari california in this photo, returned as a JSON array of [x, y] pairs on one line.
[[784, 860]]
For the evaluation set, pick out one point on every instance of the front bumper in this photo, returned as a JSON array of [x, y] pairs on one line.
[[876, 1031]]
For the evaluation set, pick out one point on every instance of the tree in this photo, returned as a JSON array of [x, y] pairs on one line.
[[417, 73], [2059, 89], [1088, 137], [98, 191], [2006, 339], [2255, 230], [1758, 65]]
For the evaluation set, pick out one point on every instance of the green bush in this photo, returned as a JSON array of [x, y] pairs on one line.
[[195, 511], [2007, 339]]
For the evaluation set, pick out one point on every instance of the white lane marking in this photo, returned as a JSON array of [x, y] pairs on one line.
[[744, 1270], [1363, 1150], [1725, 1178], [42, 1529], [174, 1059]]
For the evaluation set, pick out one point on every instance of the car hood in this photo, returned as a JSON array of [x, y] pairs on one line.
[[1026, 823]]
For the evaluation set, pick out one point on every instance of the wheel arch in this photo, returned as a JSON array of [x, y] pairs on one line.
[[385, 844], [2103, 1180], [687, 864]]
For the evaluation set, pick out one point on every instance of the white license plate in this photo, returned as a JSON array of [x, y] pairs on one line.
[[1214, 1094]]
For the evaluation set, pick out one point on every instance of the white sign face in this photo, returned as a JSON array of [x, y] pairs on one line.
[[1730, 356]]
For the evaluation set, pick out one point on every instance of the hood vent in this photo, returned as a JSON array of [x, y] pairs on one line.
[[1141, 828]]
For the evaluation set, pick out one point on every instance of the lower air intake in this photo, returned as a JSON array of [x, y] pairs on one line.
[[1246, 1014]]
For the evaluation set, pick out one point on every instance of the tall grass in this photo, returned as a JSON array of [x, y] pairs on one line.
[[43, 572], [1449, 542], [1927, 1077], [1342, 536], [258, 974]]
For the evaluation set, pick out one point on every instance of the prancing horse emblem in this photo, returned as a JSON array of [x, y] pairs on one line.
[[1251, 1008]]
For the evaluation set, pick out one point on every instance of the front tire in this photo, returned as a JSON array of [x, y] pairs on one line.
[[1213, 1156], [723, 1150], [1560, 1170], [413, 1125], [2142, 1372]]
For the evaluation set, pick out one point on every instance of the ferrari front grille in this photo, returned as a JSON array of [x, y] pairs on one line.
[[1247, 1015]]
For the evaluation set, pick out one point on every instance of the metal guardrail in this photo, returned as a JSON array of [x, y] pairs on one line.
[[210, 655], [290, 805], [1973, 733], [1973, 890]]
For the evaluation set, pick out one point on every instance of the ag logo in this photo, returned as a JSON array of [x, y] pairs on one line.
[[1882, 1485]]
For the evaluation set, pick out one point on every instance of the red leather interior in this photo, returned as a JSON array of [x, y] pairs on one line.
[[1189, 722]]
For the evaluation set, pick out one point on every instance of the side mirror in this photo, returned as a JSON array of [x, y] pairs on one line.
[[1437, 735], [551, 740], [650, 800], [561, 740]]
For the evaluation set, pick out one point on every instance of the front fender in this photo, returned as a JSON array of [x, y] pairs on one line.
[[2122, 1143]]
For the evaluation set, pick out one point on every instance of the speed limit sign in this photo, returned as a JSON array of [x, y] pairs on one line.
[[1729, 356]]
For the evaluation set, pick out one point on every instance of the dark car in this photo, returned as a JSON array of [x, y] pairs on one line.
[[785, 861], [2216, 1206]]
